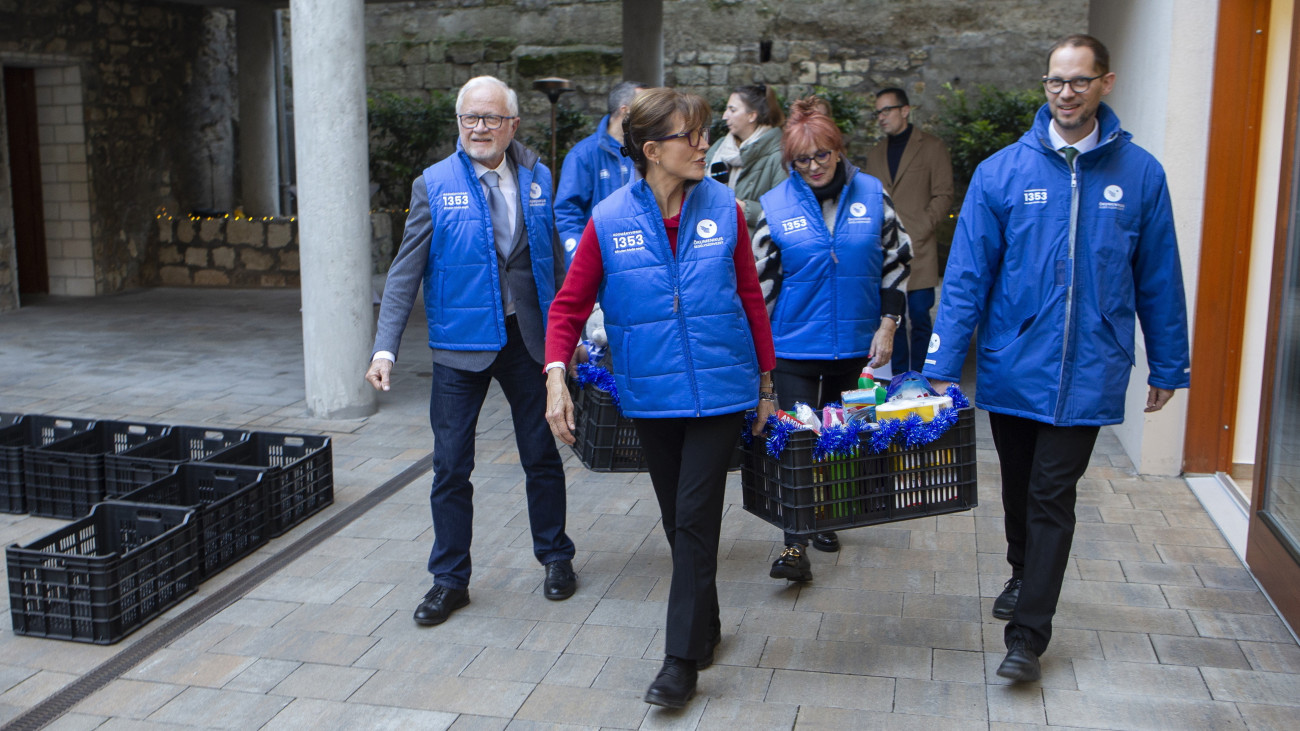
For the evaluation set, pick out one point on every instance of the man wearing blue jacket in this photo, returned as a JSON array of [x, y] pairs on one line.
[[481, 238], [593, 169], [1065, 238]]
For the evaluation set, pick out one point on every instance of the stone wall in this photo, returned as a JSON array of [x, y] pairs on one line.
[[135, 62], [241, 252], [711, 46]]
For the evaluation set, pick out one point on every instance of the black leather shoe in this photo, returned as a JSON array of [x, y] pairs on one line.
[[792, 564], [1021, 663], [439, 603], [561, 582], [1005, 605], [828, 542], [704, 662], [674, 685]]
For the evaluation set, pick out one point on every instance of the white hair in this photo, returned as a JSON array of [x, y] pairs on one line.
[[512, 99]]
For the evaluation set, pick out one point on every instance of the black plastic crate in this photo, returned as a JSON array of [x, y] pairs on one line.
[[30, 431], [157, 458], [101, 578], [8, 418], [802, 495], [298, 474], [606, 441], [65, 479], [229, 505]]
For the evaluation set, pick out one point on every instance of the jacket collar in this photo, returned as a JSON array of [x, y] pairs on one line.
[[1039, 139]]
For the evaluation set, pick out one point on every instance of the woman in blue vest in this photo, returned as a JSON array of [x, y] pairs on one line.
[[833, 259], [670, 260]]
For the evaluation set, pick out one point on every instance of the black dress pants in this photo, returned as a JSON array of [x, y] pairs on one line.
[[1041, 467], [687, 459]]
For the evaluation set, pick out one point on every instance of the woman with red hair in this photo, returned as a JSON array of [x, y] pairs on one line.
[[833, 261]]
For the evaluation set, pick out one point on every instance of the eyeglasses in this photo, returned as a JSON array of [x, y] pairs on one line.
[[886, 110], [693, 137], [1080, 84], [491, 121], [821, 156]]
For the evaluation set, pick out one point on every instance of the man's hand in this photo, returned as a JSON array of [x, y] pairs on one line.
[[882, 343], [940, 387], [377, 376], [1157, 398], [559, 406]]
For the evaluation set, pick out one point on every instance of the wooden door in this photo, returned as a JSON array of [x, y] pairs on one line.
[[25, 176]]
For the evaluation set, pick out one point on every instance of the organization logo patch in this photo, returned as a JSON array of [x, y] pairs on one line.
[[604, 174], [626, 241], [706, 228], [858, 209], [1113, 194], [934, 343], [570, 244], [535, 191], [1035, 196], [794, 224], [455, 201]]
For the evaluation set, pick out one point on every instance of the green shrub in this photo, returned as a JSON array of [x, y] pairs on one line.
[[406, 136], [976, 126]]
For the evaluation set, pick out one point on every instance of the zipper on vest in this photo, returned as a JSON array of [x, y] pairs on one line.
[[677, 309], [1069, 288]]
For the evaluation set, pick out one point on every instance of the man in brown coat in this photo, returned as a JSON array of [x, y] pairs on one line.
[[917, 174]]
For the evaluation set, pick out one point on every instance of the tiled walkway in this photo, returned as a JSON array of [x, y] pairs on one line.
[[1160, 626]]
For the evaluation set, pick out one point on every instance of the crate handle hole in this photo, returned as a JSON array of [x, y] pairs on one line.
[[294, 441], [136, 429], [213, 436]]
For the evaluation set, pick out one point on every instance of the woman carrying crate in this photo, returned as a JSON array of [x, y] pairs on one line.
[[669, 257], [833, 259]]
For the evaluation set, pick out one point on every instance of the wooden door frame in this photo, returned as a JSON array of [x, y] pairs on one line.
[[1273, 561], [1241, 49]]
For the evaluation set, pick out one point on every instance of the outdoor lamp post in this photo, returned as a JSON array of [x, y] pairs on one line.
[[553, 87]]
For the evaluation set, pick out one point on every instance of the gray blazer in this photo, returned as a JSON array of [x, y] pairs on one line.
[[407, 274]]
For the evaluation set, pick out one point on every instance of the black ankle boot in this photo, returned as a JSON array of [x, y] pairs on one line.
[[674, 685]]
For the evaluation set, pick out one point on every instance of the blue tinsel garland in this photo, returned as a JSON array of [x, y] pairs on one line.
[[599, 377], [844, 440]]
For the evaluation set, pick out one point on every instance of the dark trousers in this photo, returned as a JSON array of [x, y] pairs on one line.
[[910, 347], [687, 459], [454, 405], [1041, 467], [816, 383]]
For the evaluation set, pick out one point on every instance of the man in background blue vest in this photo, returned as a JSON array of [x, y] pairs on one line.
[[593, 169], [1066, 237], [481, 237]]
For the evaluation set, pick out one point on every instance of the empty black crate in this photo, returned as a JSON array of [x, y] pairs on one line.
[[100, 578], [65, 479], [802, 495], [229, 505], [298, 474], [157, 458], [606, 441], [32, 430]]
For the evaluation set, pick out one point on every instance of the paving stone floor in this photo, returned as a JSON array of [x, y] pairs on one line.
[[1160, 625]]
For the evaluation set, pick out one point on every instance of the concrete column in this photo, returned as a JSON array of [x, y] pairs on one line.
[[643, 41], [258, 155], [329, 94]]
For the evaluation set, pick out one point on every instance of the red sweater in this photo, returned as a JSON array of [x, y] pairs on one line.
[[575, 300]]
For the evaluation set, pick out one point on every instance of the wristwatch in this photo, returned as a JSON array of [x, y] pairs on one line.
[[898, 319]]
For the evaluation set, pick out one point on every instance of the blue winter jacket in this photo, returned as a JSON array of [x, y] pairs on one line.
[[678, 334], [592, 170], [1052, 269], [462, 289], [829, 306]]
